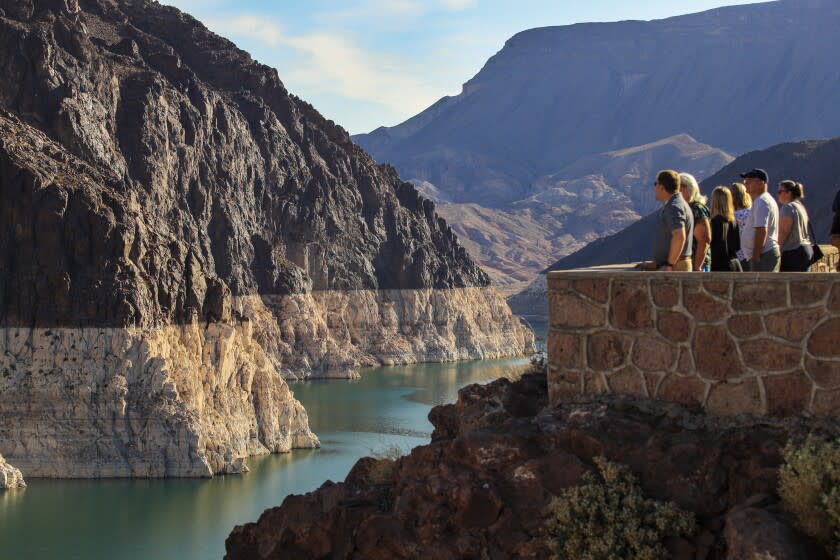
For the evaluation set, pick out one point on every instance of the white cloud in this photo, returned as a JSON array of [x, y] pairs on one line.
[[457, 5], [330, 62]]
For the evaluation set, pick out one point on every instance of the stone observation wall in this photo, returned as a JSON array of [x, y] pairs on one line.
[[766, 344]]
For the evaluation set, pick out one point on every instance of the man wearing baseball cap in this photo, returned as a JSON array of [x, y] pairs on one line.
[[760, 238]]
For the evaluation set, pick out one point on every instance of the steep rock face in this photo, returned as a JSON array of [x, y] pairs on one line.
[[497, 458], [10, 477], [177, 231]]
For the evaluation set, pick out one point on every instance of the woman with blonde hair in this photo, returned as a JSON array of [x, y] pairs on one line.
[[690, 191], [793, 228], [742, 202], [726, 240]]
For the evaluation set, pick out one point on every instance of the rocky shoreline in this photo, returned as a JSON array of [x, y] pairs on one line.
[[10, 477], [499, 456]]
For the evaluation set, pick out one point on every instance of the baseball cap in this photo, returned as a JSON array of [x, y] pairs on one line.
[[756, 174]]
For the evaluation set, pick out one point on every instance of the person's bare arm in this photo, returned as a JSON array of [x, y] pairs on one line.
[[703, 234], [760, 238], [677, 244], [785, 227]]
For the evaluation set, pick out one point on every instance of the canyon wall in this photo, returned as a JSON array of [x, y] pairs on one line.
[[179, 234], [763, 344]]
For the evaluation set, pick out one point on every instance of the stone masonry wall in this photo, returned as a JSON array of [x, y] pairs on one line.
[[766, 344]]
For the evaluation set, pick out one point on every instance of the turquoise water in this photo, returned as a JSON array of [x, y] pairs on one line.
[[190, 519]]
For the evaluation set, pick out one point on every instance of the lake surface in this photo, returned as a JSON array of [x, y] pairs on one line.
[[190, 519]]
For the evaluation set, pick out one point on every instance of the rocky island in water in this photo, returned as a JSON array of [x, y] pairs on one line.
[[180, 235]]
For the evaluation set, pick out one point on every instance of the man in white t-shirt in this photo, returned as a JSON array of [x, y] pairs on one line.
[[760, 238]]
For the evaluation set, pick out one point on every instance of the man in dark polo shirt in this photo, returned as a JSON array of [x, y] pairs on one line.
[[672, 246]]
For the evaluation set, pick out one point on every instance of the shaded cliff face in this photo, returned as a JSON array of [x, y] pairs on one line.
[[209, 177], [178, 234], [500, 455]]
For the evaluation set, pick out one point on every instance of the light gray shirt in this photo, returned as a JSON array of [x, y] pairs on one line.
[[763, 214]]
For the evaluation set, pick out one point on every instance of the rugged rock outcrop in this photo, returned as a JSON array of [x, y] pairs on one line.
[[178, 232], [10, 477], [498, 456]]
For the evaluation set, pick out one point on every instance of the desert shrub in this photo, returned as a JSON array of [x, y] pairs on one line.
[[809, 484], [380, 468], [608, 517]]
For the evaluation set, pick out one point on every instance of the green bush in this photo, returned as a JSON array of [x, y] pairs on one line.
[[809, 484], [609, 518]]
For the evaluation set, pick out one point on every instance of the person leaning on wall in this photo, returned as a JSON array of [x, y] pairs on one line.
[[672, 244]]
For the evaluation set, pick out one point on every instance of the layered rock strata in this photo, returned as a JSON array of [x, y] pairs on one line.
[[482, 487], [10, 477], [178, 233]]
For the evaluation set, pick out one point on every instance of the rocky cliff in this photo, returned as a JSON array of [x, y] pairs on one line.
[[483, 487], [179, 233], [10, 477]]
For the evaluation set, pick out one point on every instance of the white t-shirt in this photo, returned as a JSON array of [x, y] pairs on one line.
[[764, 213]]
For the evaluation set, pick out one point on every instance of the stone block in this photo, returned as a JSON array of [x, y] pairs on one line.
[[593, 382], [563, 383], [628, 381], [705, 308], [794, 324], [759, 295], [787, 395], [715, 354], [666, 292], [690, 391], [565, 350], [594, 288], [732, 399], [652, 381], [765, 354], [674, 325], [825, 340], [825, 373], [651, 354], [826, 403], [607, 350], [808, 293], [834, 298], [719, 288], [570, 311], [685, 365], [744, 326], [556, 284], [631, 307]]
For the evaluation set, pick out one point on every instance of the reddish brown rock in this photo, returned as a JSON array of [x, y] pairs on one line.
[[564, 349], [825, 373], [765, 354], [758, 296], [652, 381], [630, 307], [685, 365], [787, 395], [597, 289], [834, 298], [593, 382], [628, 381], [571, 311], [732, 399], [666, 293], [756, 534], [715, 355], [690, 391], [674, 325], [793, 324], [717, 287], [651, 354], [825, 340], [564, 383], [484, 483], [705, 308], [607, 350], [745, 325]]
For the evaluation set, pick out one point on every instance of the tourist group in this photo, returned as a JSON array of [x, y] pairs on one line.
[[745, 229]]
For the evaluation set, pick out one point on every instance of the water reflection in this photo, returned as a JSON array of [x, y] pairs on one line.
[[189, 519]]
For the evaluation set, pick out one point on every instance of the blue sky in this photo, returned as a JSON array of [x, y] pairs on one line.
[[368, 63]]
